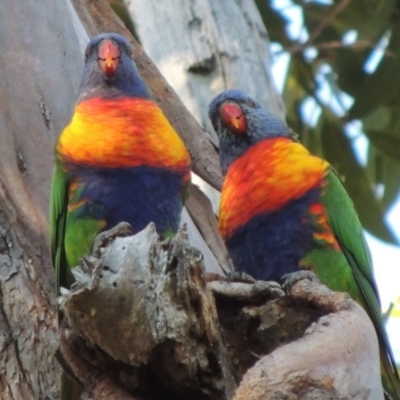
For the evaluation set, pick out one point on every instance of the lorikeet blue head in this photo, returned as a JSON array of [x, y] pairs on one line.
[[240, 122], [110, 71]]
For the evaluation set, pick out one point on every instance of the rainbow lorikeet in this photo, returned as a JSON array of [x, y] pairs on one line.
[[118, 160], [283, 209]]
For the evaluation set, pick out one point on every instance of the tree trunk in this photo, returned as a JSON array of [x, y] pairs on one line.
[[40, 64]]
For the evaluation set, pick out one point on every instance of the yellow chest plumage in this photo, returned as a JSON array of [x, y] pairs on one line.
[[123, 132]]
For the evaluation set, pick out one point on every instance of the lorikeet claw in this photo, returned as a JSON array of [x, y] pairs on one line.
[[239, 276], [290, 279], [268, 289], [246, 292]]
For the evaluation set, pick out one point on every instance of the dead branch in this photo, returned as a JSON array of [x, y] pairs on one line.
[[146, 306], [142, 318]]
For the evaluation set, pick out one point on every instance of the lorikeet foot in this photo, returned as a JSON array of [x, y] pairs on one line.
[[239, 276], [246, 292], [123, 229], [269, 289], [289, 280]]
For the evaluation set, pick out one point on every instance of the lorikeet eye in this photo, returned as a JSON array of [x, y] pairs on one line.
[[232, 116]]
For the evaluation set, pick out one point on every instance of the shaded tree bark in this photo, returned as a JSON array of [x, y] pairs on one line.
[[143, 316], [36, 101]]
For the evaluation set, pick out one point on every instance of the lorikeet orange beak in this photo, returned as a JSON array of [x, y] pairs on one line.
[[108, 57]]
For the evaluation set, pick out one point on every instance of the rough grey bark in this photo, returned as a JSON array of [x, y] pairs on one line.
[[333, 360], [35, 102], [169, 328], [192, 347]]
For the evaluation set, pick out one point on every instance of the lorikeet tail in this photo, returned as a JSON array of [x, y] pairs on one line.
[[390, 378]]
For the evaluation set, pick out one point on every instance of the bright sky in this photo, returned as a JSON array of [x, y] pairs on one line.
[[386, 257]]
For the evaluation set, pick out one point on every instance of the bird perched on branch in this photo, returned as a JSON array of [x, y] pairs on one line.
[[284, 210], [118, 160]]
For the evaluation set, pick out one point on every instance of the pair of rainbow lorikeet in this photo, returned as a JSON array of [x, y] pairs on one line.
[[282, 209]]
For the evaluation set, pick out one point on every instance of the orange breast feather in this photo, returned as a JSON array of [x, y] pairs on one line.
[[122, 132], [268, 176]]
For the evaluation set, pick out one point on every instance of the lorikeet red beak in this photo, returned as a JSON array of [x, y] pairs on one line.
[[232, 116], [108, 57]]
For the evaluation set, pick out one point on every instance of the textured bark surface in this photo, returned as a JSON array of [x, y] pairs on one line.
[[146, 306], [146, 314], [338, 357], [35, 102], [205, 47]]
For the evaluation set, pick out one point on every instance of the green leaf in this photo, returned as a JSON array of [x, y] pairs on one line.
[[349, 67], [383, 85], [386, 171], [274, 21], [386, 142], [370, 19], [298, 86], [391, 183]]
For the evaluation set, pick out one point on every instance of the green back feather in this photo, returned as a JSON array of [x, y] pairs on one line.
[[72, 234], [347, 229], [58, 218]]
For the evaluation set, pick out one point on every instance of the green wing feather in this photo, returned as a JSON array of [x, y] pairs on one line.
[[58, 217], [58, 220], [347, 229]]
